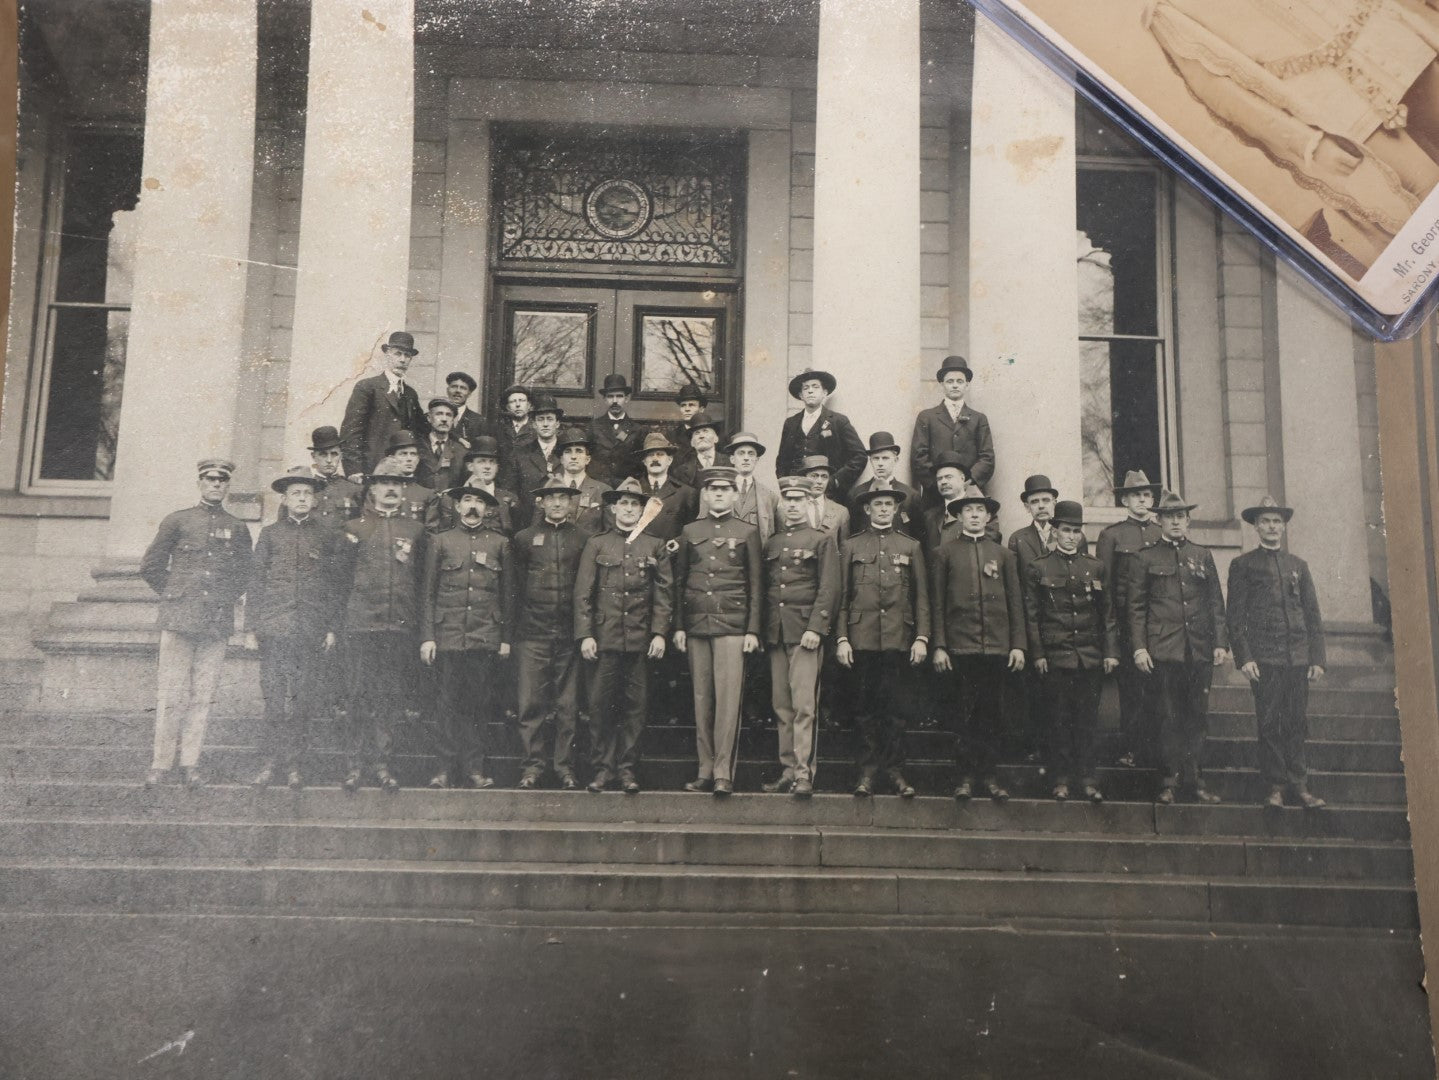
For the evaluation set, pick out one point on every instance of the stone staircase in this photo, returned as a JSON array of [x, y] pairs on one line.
[[78, 831]]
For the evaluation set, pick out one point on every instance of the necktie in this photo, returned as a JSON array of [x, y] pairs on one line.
[[813, 514]]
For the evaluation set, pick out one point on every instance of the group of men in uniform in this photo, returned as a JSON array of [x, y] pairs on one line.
[[427, 559]]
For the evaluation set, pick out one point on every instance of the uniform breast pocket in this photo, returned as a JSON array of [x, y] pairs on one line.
[[864, 568], [1163, 580], [450, 564]]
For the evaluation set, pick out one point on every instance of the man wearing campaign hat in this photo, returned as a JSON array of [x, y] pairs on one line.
[[339, 498], [817, 429], [547, 557], [615, 435], [588, 511], [199, 564], [467, 612], [1073, 644], [382, 556], [718, 597], [535, 460], [1277, 635], [703, 452], [755, 501], [979, 635], [801, 575], [624, 600], [1118, 544], [882, 631], [379, 406], [469, 425], [418, 501], [883, 461], [442, 451], [952, 426], [292, 616], [1177, 630]]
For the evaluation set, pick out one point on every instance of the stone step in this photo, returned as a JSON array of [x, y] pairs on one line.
[[48, 799], [326, 766], [1226, 697], [1324, 755], [29, 883], [711, 843]]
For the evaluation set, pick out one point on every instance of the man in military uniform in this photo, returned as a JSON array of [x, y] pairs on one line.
[[442, 452], [680, 503], [199, 563], [1073, 644], [588, 511], [536, 460], [703, 452], [1176, 627], [951, 426], [1118, 544], [883, 461], [1277, 636], [624, 598], [338, 499], [547, 557], [381, 559], [380, 406], [615, 435], [801, 571], [883, 629], [466, 613], [292, 617], [718, 593], [418, 500], [979, 635], [817, 429], [469, 425]]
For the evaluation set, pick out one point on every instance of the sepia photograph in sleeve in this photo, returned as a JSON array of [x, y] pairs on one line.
[[698, 538]]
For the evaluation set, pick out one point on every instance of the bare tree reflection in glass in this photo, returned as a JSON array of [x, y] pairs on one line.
[[678, 349], [551, 348], [1096, 424]]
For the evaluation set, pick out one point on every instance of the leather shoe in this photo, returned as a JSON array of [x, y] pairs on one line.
[[387, 782], [528, 782], [154, 777], [1205, 796], [568, 783], [865, 787], [699, 783], [963, 792], [1093, 794], [1126, 760], [439, 781], [1061, 792], [1165, 797], [194, 778], [351, 782], [479, 781], [596, 785], [630, 785], [295, 781], [902, 787], [803, 789], [723, 788], [1311, 802], [264, 777], [1275, 799], [782, 786], [997, 793]]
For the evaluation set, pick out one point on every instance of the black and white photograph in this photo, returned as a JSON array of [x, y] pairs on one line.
[[681, 538]]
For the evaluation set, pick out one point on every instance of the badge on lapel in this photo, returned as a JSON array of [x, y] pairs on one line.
[[402, 550], [991, 569]]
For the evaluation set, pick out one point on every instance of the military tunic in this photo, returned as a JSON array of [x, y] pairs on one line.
[[338, 502], [1138, 706]]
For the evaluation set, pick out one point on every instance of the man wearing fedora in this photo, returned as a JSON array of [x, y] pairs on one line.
[[941, 523], [801, 574], [679, 502], [1176, 628], [338, 499], [819, 430], [513, 429], [467, 612], [755, 501], [624, 600], [882, 630], [199, 563], [1069, 624], [547, 558], [953, 426], [442, 452], [469, 425], [615, 435], [703, 453], [883, 457], [823, 512], [1277, 636], [380, 406], [535, 460], [292, 617], [979, 635], [1118, 544], [718, 597], [588, 511]]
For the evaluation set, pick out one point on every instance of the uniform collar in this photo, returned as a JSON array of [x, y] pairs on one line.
[[1276, 549], [555, 524], [975, 537], [721, 517], [1175, 544], [211, 507], [300, 521], [882, 530], [386, 513]]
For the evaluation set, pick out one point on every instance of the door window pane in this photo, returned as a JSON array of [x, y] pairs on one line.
[[552, 349], [676, 349]]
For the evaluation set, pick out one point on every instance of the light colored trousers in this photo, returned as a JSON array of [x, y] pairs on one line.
[[717, 673], [189, 673], [794, 682]]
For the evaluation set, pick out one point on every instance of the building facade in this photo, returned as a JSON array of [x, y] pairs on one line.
[[224, 207]]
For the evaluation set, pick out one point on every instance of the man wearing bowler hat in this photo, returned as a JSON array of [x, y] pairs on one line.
[[380, 406], [615, 435], [690, 399], [338, 499], [703, 453], [588, 511], [941, 523], [823, 512], [883, 461], [817, 429], [1278, 639], [718, 596], [1069, 624], [536, 459], [469, 425], [1118, 545], [951, 425], [199, 563], [1176, 627]]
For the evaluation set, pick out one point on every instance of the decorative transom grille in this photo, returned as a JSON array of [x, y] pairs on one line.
[[598, 198]]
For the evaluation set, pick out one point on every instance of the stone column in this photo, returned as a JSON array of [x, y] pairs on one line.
[[187, 320], [1023, 284], [866, 211], [1323, 480], [354, 250]]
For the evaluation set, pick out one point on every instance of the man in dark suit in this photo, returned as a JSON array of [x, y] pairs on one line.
[[951, 425], [818, 430], [469, 425], [941, 523], [442, 452], [703, 453], [379, 407], [513, 429], [690, 400], [615, 435], [883, 460], [536, 459], [680, 502]]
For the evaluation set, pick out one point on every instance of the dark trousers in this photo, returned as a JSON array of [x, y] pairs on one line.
[[1281, 702], [880, 679], [549, 676], [293, 678], [1183, 692], [1029, 713], [978, 687], [468, 701], [619, 693], [379, 665], [1071, 696], [1138, 710]]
